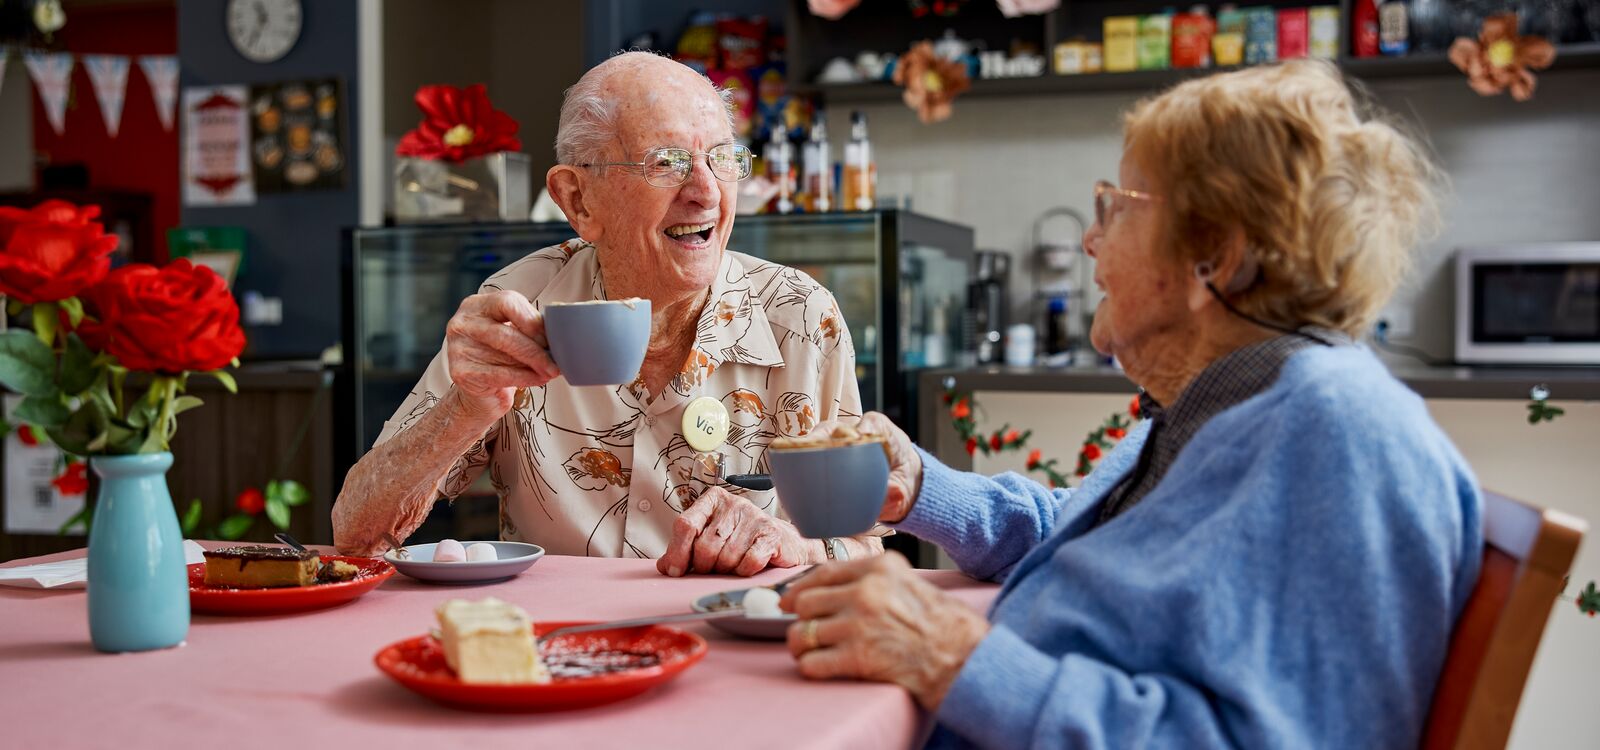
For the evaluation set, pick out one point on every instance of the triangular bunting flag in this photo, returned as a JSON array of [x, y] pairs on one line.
[[109, 74], [162, 73], [52, 74]]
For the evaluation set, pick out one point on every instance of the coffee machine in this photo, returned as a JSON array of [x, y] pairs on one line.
[[987, 305]]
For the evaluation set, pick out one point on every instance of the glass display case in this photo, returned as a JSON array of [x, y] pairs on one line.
[[900, 279]]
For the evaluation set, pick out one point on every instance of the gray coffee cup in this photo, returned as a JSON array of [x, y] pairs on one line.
[[831, 491], [598, 343]]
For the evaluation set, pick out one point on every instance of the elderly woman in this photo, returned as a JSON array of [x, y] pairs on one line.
[[1276, 556], [647, 177]]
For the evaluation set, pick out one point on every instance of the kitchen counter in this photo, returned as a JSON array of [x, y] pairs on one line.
[[1566, 384]]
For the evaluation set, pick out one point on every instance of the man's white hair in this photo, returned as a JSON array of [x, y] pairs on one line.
[[589, 118]]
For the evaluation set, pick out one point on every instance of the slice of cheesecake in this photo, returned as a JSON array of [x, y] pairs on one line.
[[257, 566], [490, 641]]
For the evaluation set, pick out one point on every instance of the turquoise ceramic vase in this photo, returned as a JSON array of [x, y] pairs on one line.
[[138, 583]]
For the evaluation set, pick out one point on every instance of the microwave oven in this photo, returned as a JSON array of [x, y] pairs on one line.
[[1528, 304]]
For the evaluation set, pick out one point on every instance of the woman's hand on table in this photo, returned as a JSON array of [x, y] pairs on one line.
[[875, 619], [725, 533], [905, 464]]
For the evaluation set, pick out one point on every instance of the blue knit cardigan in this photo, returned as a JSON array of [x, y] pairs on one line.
[[1291, 582]]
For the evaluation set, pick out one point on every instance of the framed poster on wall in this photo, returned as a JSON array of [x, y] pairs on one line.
[[297, 136], [216, 142]]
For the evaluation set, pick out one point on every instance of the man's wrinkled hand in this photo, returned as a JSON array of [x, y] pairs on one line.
[[725, 533], [496, 344]]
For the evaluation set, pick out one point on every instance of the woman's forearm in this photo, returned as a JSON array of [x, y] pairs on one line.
[[392, 488]]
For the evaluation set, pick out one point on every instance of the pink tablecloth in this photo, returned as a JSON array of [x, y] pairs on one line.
[[307, 680]]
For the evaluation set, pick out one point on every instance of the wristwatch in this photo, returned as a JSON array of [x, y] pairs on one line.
[[836, 549]]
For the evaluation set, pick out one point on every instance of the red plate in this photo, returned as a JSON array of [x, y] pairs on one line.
[[419, 664], [222, 600]]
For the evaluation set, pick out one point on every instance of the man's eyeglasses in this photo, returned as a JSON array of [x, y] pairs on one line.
[[1105, 193], [670, 167]]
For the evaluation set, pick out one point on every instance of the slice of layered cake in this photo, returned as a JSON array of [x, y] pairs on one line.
[[490, 641], [258, 566]]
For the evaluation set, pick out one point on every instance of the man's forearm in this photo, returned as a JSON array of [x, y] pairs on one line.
[[392, 488]]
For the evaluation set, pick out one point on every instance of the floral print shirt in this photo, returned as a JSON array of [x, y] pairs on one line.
[[604, 471]]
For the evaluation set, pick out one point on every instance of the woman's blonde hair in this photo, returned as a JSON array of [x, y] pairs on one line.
[[1330, 199]]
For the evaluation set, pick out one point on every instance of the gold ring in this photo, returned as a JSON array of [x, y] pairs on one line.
[[808, 635]]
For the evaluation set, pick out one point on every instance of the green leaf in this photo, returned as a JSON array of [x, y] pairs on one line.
[[191, 518], [294, 493], [98, 444], [226, 380], [78, 372], [273, 489], [234, 526], [85, 517], [142, 414], [44, 411], [27, 366], [185, 403], [121, 441], [45, 322], [278, 512], [74, 308]]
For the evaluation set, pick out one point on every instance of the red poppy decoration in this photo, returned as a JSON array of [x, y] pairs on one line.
[[458, 124], [1116, 433], [1133, 407], [25, 434], [251, 501], [1091, 451], [972, 446], [961, 410], [1033, 459], [74, 480]]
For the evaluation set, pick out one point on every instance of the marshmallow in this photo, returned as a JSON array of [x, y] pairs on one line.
[[449, 550], [480, 552], [761, 602]]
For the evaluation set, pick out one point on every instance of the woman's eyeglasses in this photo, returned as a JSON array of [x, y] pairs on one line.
[[1105, 193], [670, 167]]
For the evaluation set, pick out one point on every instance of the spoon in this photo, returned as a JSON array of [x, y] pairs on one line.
[[639, 622], [283, 536]]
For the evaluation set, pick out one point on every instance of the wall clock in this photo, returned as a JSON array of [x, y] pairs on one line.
[[263, 30]]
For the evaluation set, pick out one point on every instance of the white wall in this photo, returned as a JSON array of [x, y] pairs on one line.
[[1521, 171]]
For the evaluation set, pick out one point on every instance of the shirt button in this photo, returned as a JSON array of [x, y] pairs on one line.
[[650, 421], [644, 506]]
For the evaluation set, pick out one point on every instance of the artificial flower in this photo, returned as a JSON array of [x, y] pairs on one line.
[[251, 501], [931, 82], [458, 124], [172, 319], [1500, 59], [52, 251]]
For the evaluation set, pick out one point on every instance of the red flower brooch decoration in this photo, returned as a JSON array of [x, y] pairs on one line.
[[1499, 59], [458, 124]]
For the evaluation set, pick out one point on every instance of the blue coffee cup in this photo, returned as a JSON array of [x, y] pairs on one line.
[[833, 491], [598, 343]]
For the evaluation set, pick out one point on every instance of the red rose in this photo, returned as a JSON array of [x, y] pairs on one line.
[[458, 124], [52, 252], [1091, 451], [1033, 458], [1133, 407], [972, 446], [169, 319], [994, 441], [25, 434], [1012, 436], [251, 501], [1116, 433], [74, 480]]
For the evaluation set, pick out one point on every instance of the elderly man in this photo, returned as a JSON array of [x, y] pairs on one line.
[[647, 175]]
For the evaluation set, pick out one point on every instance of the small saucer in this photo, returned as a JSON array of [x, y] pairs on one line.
[[759, 628], [514, 557]]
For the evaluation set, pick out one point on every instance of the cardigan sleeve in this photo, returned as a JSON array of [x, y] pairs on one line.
[[1011, 694]]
